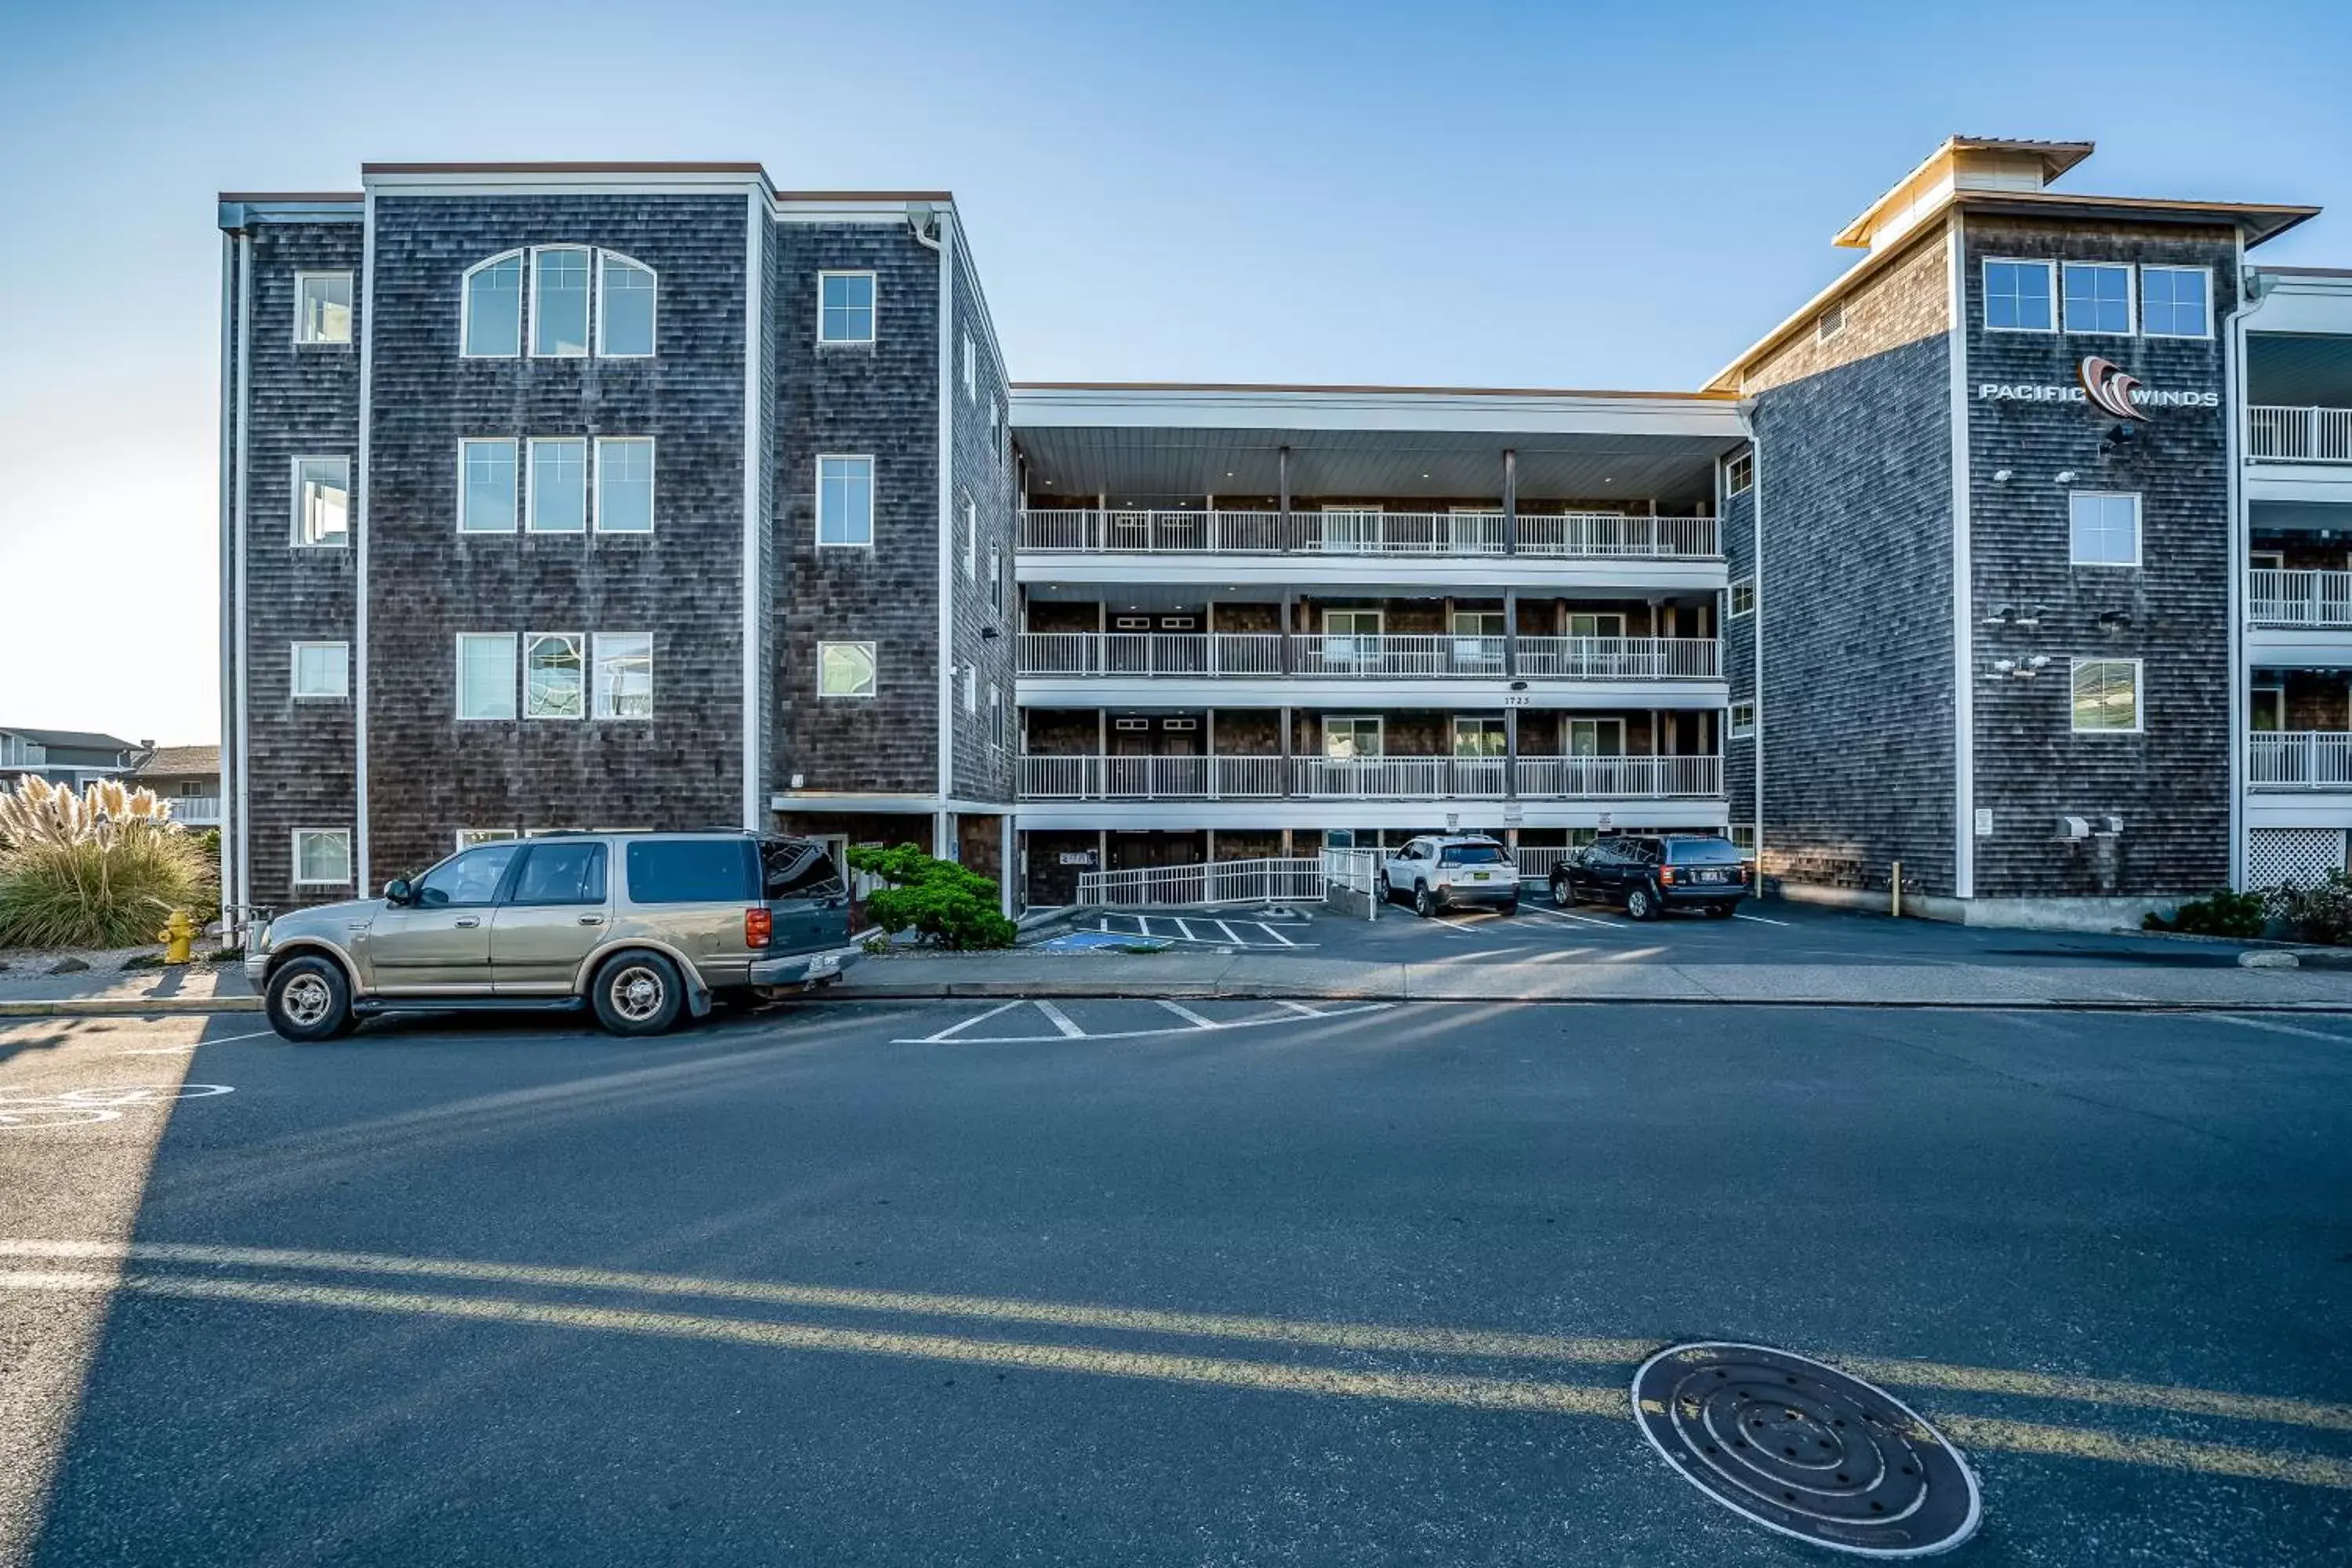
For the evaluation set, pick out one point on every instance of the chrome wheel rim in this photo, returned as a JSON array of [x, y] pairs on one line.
[[638, 994], [1639, 904], [307, 1000]]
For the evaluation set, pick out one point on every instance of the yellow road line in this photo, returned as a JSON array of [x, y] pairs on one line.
[[1268, 1331], [1491, 1393]]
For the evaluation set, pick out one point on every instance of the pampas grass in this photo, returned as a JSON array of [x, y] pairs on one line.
[[101, 869]]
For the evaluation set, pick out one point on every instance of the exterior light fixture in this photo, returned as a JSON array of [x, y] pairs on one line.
[[2065, 476], [2002, 476]]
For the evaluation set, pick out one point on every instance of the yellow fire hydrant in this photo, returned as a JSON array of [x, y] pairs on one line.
[[176, 936]]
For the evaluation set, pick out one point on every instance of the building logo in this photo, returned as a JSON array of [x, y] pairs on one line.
[[2110, 387], [2104, 386]]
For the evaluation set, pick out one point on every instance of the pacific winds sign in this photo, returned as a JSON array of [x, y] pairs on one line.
[[2102, 385]]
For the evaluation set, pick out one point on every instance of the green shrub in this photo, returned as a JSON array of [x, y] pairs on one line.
[[103, 869], [2321, 912], [2222, 914], [937, 900]]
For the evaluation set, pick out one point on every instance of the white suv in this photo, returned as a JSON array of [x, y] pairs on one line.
[[1442, 870]]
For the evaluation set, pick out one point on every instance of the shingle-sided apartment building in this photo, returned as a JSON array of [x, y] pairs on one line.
[[654, 495]]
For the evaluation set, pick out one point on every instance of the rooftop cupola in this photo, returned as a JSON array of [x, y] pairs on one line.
[[1961, 163]]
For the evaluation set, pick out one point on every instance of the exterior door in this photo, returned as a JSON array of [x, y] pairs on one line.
[[440, 940], [556, 913], [1350, 639], [1478, 642], [1351, 530], [2268, 709], [1350, 738], [1596, 737]]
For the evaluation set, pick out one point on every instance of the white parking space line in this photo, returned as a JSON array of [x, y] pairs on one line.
[[1227, 929], [1564, 915], [1061, 1021], [1301, 1008], [1188, 1016], [1186, 931], [1759, 919], [954, 1029], [1276, 934], [1144, 923], [2277, 1028]]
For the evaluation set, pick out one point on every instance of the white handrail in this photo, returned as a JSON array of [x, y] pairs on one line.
[[1351, 530], [1088, 777], [2298, 598], [1399, 656], [2298, 435], [1211, 884], [2299, 759]]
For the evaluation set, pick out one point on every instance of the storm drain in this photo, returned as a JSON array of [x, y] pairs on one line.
[[1804, 1449]]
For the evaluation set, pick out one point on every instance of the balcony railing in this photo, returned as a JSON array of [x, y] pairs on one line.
[[2299, 759], [2276, 435], [1395, 656], [1368, 778], [196, 810], [2277, 598], [1598, 534]]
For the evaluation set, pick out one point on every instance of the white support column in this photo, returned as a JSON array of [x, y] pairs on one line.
[[1011, 870], [943, 835]]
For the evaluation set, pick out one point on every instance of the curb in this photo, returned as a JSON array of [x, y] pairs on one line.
[[128, 1006]]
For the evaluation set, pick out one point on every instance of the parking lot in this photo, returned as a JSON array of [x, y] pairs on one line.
[[1763, 931]]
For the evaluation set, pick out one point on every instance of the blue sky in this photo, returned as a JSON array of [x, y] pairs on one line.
[[1530, 196]]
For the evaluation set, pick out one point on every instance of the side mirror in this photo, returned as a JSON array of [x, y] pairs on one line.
[[396, 891]]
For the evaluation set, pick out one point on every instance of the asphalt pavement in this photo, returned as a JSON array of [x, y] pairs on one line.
[[1131, 1281]]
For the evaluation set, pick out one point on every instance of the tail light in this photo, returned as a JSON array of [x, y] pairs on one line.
[[759, 925], [1666, 876]]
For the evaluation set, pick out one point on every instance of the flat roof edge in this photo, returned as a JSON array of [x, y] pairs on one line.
[[1347, 389]]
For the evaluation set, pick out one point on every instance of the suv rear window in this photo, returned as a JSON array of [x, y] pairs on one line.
[[1472, 855], [799, 868], [690, 871], [1702, 852]]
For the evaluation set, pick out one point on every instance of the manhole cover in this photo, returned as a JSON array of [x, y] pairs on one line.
[[1804, 1449]]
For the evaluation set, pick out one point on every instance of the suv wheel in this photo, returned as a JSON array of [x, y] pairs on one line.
[[638, 993], [1388, 895], [1641, 904], [308, 999], [1422, 904], [1563, 889]]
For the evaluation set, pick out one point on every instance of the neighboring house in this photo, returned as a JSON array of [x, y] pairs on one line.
[[637, 495], [74, 757], [188, 777]]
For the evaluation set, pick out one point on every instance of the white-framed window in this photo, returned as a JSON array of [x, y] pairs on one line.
[[845, 307], [559, 301], [485, 675], [1349, 736], [491, 324], [627, 293], [1477, 736], [996, 578], [625, 484], [554, 676], [2019, 296], [322, 857], [2103, 528], [1743, 837], [322, 308], [2098, 297], [559, 484], [486, 485], [321, 670], [1591, 624], [845, 669], [624, 675], [323, 502], [970, 370], [995, 716], [970, 688], [2176, 302], [2266, 560], [470, 836], [844, 501], [1596, 737], [1740, 474], [1743, 595], [971, 538], [1830, 322], [1743, 720], [2107, 696]]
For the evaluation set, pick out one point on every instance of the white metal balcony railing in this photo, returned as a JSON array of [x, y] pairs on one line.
[[2277, 435], [1088, 777], [2277, 598], [1349, 654], [2299, 759], [196, 810], [1085, 530]]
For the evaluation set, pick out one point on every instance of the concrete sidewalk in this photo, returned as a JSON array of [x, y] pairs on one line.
[[1183, 975]]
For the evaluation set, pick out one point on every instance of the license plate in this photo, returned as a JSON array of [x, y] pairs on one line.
[[1710, 876], [1477, 875], [823, 964]]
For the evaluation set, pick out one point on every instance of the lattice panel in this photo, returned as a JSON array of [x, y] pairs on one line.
[[2302, 855]]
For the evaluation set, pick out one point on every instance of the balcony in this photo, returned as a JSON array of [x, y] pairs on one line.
[[194, 810], [2285, 434], [1576, 535], [1369, 778], [1418, 656], [2281, 598], [2282, 759]]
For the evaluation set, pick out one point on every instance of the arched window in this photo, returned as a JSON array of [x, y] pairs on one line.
[[626, 298], [493, 309]]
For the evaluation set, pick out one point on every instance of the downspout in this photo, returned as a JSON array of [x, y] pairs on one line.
[[360, 838], [2233, 415], [942, 837], [1964, 701], [244, 735], [230, 607], [755, 586]]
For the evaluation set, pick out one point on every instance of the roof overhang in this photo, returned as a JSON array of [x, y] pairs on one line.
[[1151, 441]]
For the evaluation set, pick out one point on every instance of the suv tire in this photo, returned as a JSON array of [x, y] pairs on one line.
[[1563, 889], [1422, 904], [1640, 904], [638, 994], [309, 998], [1387, 893]]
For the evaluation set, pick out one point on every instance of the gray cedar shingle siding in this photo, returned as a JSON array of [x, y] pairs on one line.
[[431, 774], [879, 399], [984, 471], [2171, 782], [303, 402]]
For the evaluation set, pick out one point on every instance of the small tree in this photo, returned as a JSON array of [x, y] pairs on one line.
[[939, 900]]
